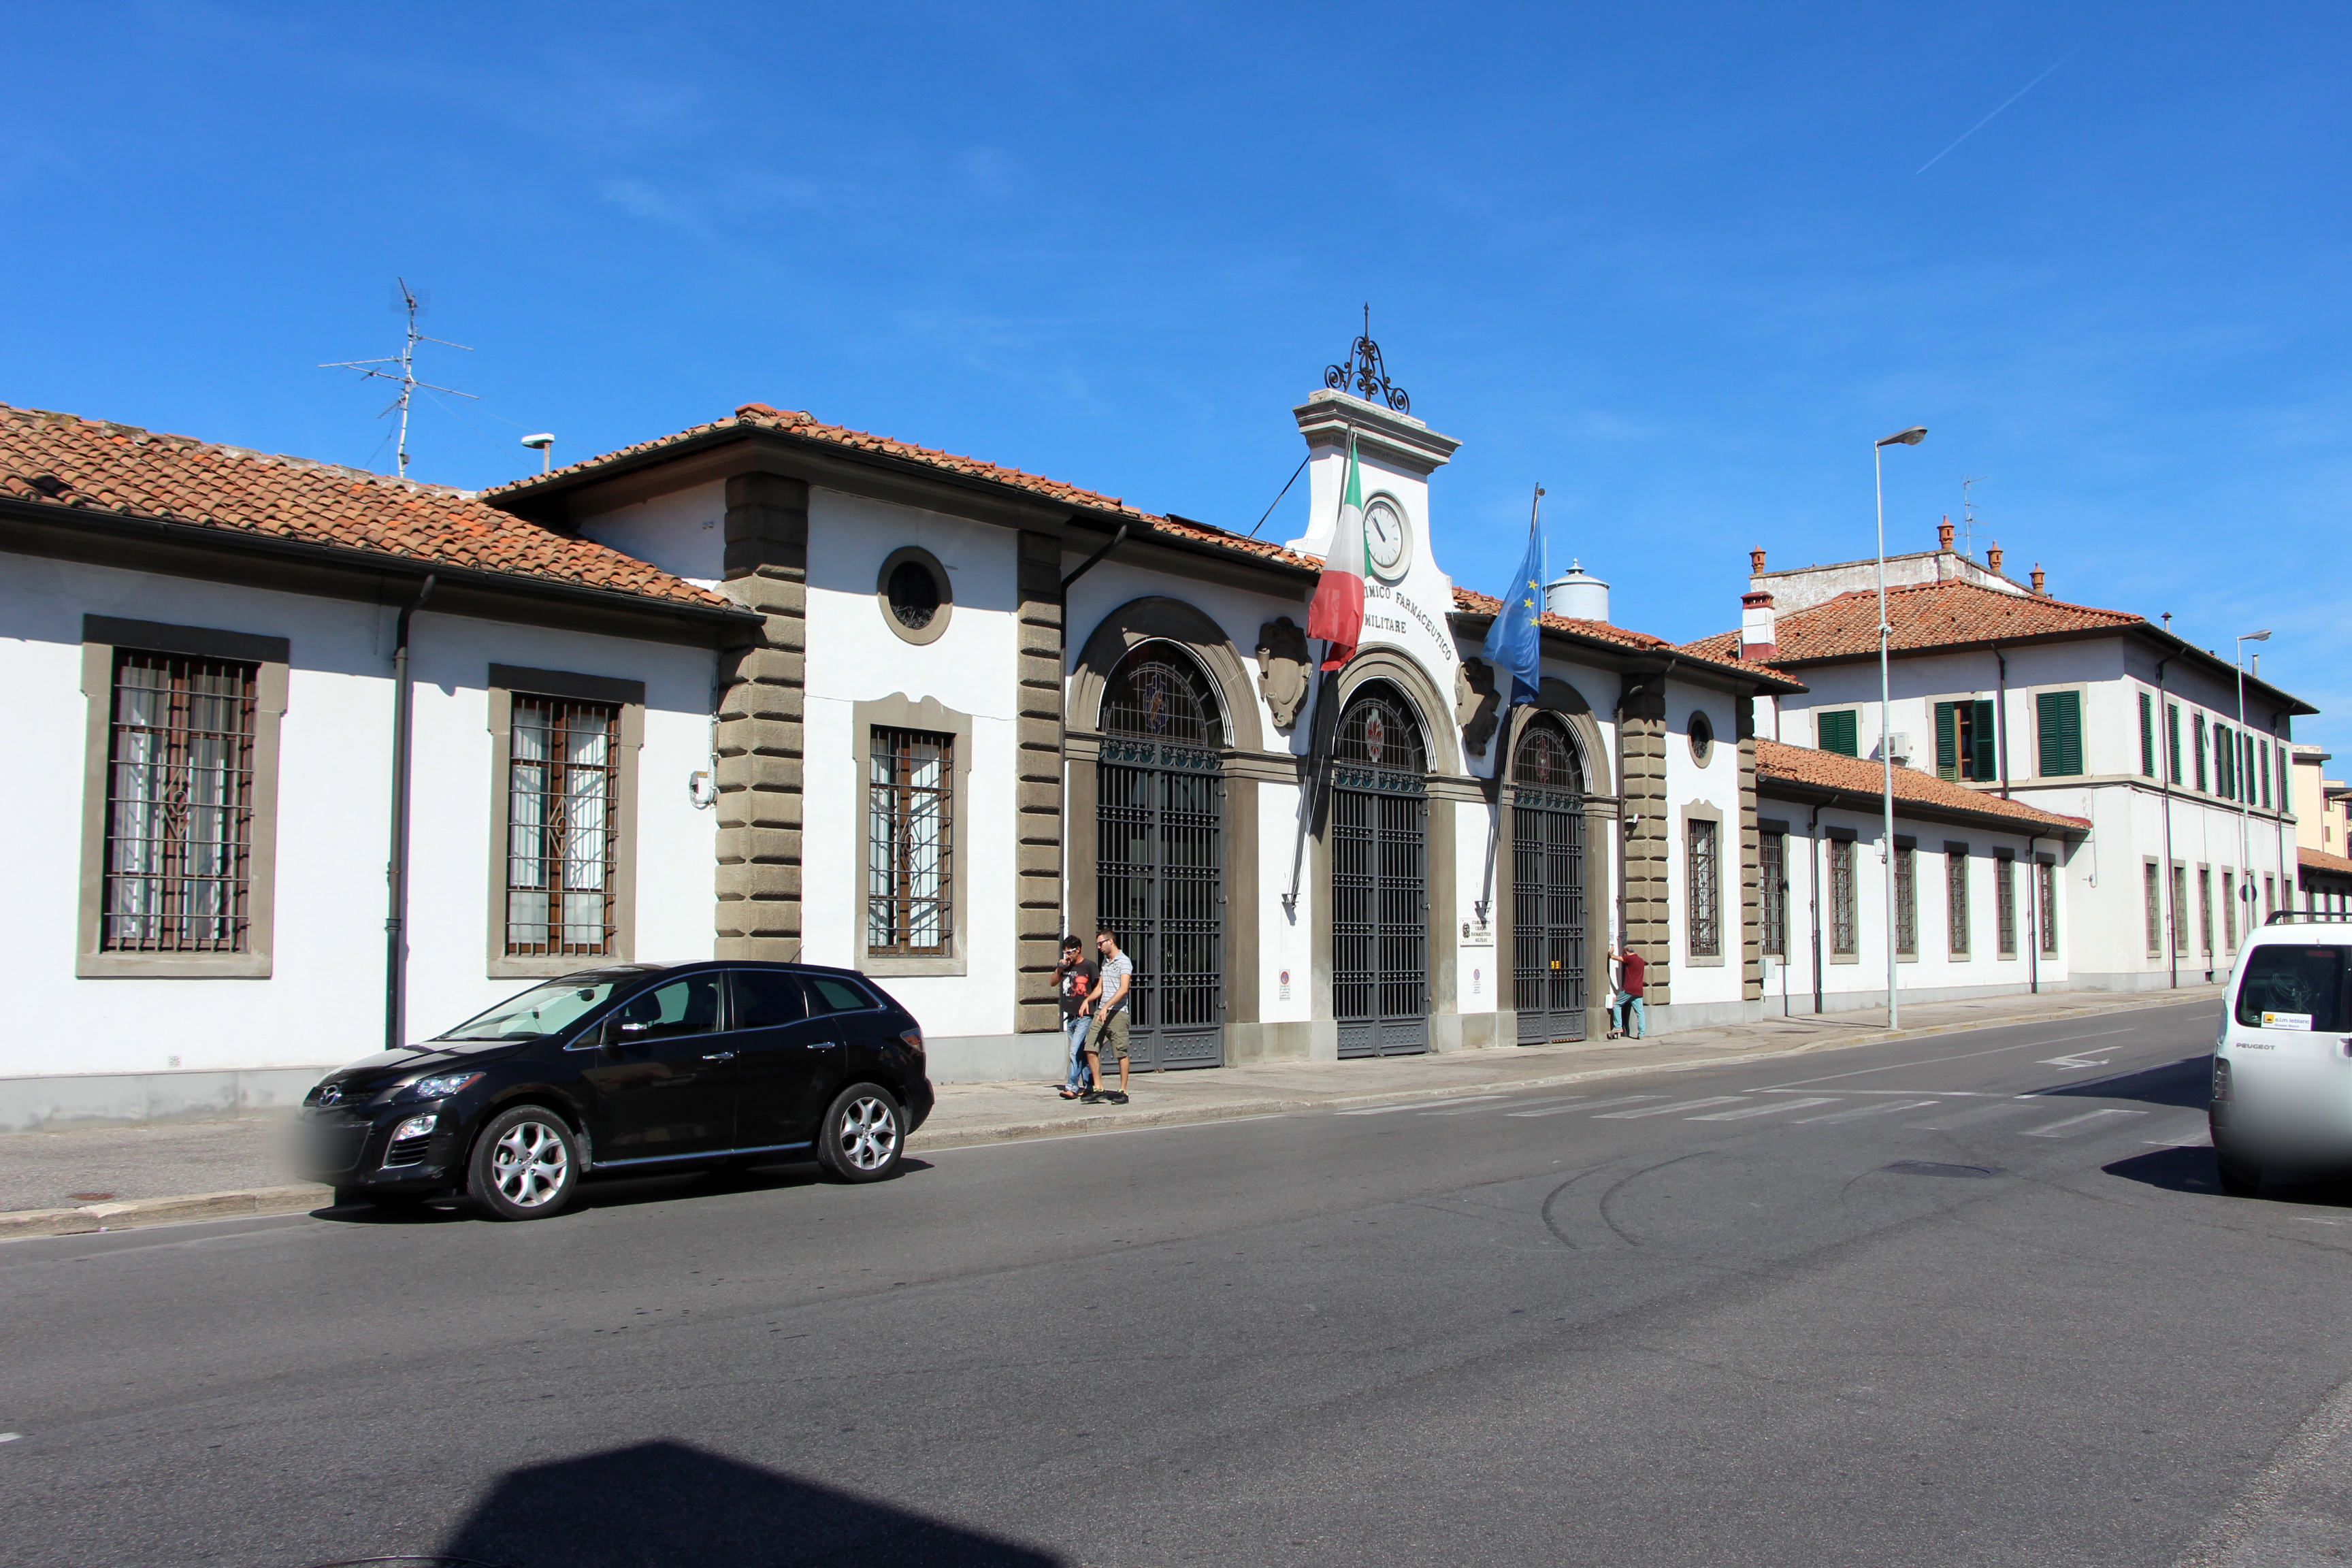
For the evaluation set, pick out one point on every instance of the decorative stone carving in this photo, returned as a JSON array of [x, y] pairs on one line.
[[1476, 709], [1282, 670]]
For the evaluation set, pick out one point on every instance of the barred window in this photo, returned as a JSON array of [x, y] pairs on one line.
[[1956, 900], [561, 828], [909, 805], [2005, 905], [2045, 884], [2179, 909], [1906, 901], [1772, 864], [1706, 891], [179, 806], [2155, 911], [1845, 941]]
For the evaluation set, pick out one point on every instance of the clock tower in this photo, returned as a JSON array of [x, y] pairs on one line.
[[1407, 595]]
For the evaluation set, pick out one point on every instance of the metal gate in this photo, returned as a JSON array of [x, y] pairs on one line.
[[1159, 871], [1547, 954], [1380, 880]]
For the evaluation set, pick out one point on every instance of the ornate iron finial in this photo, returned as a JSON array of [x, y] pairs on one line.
[[1363, 374]]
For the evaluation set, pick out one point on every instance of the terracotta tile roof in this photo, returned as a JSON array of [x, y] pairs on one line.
[[1776, 761], [1470, 602], [759, 416], [65, 461], [2321, 860], [1924, 616]]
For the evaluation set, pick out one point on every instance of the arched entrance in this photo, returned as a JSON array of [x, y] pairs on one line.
[[1547, 953], [1160, 852], [1379, 877]]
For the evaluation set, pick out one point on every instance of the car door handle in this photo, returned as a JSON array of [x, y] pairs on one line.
[[823, 1045], [719, 1056]]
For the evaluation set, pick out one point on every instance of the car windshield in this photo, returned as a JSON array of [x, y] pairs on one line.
[[2303, 983], [542, 1010]]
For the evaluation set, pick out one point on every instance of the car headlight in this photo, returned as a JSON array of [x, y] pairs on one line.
[[443, 1086]]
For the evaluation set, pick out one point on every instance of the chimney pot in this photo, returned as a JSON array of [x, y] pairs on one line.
[[1756, 563], [2040, 591], [1944, 535], [1992, 558]]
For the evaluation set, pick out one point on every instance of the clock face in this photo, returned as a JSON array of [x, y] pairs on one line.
[[1385, 538]]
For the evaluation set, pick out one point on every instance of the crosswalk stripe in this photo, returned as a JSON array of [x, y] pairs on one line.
[[1459, 1109], [1669, 1110], [1419, 1105], [1969, 1117], [1589, 1105], [2074, 1124], [1858, 1112], [1769, 1107]]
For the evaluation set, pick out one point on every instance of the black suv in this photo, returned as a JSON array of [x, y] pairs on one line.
[[638, 1067]]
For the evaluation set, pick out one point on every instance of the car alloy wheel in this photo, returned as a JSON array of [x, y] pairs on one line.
[[525, 1165], [862, 1137]]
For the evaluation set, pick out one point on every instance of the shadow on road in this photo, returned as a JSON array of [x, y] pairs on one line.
[[655, 1505], [2184, 1085], [2174, 1170], [611, 1193]]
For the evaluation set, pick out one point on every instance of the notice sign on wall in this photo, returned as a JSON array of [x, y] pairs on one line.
[[1477, 933]]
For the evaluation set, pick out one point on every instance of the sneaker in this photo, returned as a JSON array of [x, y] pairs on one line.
[[1092, 1097], [1116, 1097]]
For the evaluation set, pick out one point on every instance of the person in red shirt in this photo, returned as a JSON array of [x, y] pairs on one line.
[[1630, 965]]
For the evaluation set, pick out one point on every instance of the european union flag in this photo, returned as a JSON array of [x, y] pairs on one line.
[[1513, 641]]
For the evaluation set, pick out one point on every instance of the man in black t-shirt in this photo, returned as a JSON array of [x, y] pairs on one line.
[[1074, 980]]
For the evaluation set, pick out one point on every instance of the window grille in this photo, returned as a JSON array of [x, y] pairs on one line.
[[1956, 900], [2204, 911], [909, 800], [1907, 899], [2155, 912], [2179, 909], [2228, 911], [1156, 697], [1772, 863], [2004, 907], [563, 825], [1844, 939], [1706, 891], [179, 806], [1548, 762], [2045, 884]]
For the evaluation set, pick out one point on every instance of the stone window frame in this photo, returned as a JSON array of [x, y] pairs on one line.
[[2004, 890], [1906, 896], [1699, 730], [925, 636], [503, 682], [1959, 936], [2152, 891], [899, 711], [1697, 812], [101, 635], [2045, 911], [1852, 910], [1768, 930]]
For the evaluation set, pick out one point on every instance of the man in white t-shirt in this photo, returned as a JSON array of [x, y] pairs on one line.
[[1108, 1006]]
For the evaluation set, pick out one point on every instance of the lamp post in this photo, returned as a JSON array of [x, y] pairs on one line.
[[1911, 438], [2238, 774]]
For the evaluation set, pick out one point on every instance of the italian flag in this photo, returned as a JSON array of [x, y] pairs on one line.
[[1337, 612]]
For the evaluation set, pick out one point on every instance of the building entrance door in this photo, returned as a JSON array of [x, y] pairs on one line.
[[1159, 873], [1380, 878], [1548, 953]]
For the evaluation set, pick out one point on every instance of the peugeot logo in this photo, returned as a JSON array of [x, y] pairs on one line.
[[331, 1095]]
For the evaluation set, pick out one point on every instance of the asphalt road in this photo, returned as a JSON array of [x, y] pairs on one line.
[[1971, 1298]]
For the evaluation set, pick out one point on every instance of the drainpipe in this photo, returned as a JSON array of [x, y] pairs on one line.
[[2033, 922], [1062, 713], [1813, 882], [2164, 754], [395, 934]]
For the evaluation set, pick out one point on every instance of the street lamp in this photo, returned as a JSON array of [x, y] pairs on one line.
[[1911, 438], [2237, 773]]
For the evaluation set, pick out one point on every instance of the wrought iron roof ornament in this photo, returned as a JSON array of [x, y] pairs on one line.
[[1363, 374]]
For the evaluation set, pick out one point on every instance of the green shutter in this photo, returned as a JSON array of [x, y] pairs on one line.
[[1947, 739], [2147, 735], [2059, 716], [1836, 732], [1987, 758], [2225, 761], [2197, 726], [2172, 729]]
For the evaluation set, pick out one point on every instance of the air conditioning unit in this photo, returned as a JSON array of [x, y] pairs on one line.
[[1898, 746]]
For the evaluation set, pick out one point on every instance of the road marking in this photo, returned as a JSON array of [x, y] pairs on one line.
[[1969, 1117], [1472, 1110], [1589, 1105], [10, 1436], [1958, 1057], [2074, 1064], [1669, 1110], [1858, 1112], [2197, 1137], [1938, 1093], [2074, 1124], [1418, 1105], [1550, 1099], [1767, 1108]]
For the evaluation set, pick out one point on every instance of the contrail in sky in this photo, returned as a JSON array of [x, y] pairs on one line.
[[1980, 124]]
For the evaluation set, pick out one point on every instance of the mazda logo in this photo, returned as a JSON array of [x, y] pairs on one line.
[[331, 1095]]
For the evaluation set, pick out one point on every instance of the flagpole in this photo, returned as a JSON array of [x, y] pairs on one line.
[[1309, 792]]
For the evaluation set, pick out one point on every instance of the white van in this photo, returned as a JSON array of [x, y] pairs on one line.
[[2283, 1063]]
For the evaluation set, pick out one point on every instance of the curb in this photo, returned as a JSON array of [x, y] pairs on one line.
[[134, 1212]]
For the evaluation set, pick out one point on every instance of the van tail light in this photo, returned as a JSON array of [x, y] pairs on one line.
[[914, 1039], [2221, 1078]]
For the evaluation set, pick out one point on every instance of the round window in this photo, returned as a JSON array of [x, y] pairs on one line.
[[915, 596], [1702, 739]]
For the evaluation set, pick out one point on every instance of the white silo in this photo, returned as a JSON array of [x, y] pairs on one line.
[[1577, 595]]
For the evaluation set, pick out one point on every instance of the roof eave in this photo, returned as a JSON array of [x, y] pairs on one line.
[[1773, 785]]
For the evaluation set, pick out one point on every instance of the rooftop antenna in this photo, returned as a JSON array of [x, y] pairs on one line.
[[1968, 517], [405, 372]]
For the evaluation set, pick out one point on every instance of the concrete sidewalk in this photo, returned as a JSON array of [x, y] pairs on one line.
[[108, 1178]]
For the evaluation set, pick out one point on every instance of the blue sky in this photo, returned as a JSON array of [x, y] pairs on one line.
[[1679, 263]]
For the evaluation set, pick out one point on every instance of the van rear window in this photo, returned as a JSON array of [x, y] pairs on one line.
[[2295, 980]]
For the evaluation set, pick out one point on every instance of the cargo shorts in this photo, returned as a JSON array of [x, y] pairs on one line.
[[1108, 1040]]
